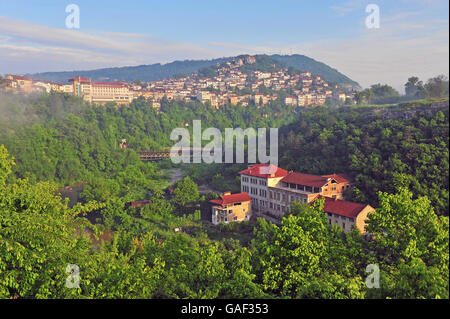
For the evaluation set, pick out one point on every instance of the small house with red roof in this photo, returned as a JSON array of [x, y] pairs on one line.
[[346, 215], [231, 208]]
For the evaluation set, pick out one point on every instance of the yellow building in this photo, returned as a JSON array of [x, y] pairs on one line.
[[231, 208]]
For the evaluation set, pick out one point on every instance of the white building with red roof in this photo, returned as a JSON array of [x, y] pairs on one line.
[[101, 92], [256, 181], [273, 189]]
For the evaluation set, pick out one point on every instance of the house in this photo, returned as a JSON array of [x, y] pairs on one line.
[[346, 214], [231, 208], [21, 82], [290, 100], [140, 203]]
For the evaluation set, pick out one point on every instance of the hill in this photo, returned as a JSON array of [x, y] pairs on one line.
[[303, 62], [159, 71]]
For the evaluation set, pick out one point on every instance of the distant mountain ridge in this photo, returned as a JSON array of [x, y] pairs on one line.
[[155, 72]]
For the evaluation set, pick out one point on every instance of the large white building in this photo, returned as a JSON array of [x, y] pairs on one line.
[[273, 189]]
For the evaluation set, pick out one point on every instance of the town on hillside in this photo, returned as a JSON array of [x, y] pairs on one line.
[[230, 83]]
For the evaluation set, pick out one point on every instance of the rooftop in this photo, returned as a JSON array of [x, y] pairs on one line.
[[264, 171], [231, 199], [342, 207], [313, 180]]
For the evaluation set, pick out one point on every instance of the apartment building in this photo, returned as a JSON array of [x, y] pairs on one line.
[[101, 92], [231, 208], [257, 180], [19, 82], [273, 192]]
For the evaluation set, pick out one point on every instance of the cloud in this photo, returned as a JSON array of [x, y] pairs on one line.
[[408, 43], [347, 7], [402, 47], [73, 49]]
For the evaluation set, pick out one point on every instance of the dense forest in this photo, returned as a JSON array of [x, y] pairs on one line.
[[397, 155]]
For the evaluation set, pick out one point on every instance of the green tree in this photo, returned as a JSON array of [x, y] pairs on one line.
[[437, 87], [185, 191]]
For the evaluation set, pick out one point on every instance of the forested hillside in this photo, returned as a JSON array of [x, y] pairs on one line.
[[164, 249], [159, 71], [404, 146]]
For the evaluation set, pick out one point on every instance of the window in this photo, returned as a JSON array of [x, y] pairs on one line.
[[343, 225]]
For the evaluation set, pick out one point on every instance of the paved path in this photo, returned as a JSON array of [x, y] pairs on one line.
[[175, 175]]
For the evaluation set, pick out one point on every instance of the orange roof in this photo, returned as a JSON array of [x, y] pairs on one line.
[[20, 77], [231, 199], [340, 178], [305, 179], [264, 171], [342, 207], [313, 180]]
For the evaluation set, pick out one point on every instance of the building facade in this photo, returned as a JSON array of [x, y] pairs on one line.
[[231, 208], [101, 92], [272, 193]]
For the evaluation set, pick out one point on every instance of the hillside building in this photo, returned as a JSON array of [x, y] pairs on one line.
[[231, 208], [273, 189]]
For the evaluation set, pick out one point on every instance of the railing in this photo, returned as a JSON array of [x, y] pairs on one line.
[[153, 156]]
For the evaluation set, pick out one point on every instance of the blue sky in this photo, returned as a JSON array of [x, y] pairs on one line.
[[412, 38]]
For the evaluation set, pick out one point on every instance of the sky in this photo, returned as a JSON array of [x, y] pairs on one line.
[[412, 38]]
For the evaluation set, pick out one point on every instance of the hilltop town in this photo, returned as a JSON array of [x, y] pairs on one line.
[[242, 80]]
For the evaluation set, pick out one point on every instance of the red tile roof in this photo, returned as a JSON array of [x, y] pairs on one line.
[[110, 84], [141, 203], [313, 180], [342, 207], [340, 178], [20, 77], [305, 179], [264, 171], [231, 199]]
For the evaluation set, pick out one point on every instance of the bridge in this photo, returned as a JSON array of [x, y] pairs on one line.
[[154, 156]]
